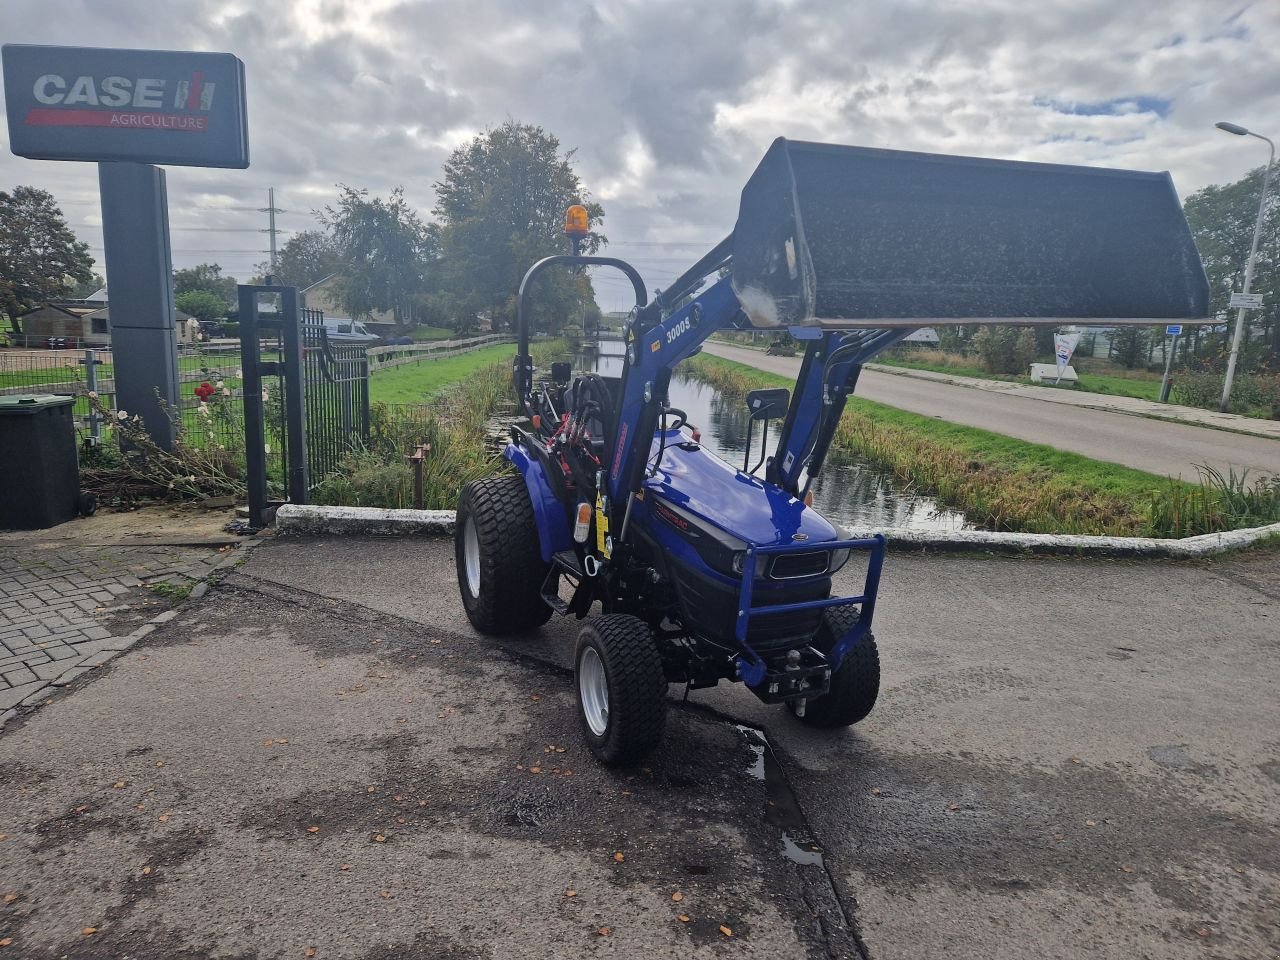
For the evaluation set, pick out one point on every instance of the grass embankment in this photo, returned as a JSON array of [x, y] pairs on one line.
[[418, 382], [1006, 484], [1143, 385], [466, 392], [431, 333]]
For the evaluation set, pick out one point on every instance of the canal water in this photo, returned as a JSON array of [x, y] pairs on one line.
[[850, 490]]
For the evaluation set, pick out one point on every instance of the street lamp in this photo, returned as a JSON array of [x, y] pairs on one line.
[[1240, 131]]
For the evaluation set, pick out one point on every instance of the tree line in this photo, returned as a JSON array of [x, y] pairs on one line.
[[500, 205]]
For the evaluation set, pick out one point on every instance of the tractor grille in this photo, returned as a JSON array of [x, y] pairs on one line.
[[788, 566], [711, 608]]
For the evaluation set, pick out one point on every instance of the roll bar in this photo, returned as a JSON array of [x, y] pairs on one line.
[[524, 363]]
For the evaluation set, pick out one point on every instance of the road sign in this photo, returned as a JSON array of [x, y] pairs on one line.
[[1245, 301], [1173, 330], [147, 106]]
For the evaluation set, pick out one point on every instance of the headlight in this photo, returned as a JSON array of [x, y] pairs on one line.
[[762, 564], [838, 558], [720, 551]]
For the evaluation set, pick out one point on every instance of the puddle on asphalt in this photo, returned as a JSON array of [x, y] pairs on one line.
[[782, 807]]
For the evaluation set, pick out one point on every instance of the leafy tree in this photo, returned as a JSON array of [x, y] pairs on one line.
[[306, 258], [201, 304], [208, 277], [39, 255], [1129, 345], [1005, 349], [83, 288], [1222, 219], [385, 252], [501, 207]]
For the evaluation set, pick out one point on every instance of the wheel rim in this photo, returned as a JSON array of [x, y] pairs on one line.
[[471, 556], [593, 689]]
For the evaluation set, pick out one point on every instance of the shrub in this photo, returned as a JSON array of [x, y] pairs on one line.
[[1005, 349]]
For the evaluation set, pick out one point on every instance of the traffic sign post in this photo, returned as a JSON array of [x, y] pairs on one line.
[[1172, 330]]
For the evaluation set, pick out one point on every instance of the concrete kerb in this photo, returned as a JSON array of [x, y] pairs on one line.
[[295, 519]]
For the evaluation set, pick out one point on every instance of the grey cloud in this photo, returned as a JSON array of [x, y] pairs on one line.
[[382, 105]]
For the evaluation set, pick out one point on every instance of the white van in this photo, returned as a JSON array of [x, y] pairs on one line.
[[352, 331]]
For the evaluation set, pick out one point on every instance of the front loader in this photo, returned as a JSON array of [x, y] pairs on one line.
[[703, 572]]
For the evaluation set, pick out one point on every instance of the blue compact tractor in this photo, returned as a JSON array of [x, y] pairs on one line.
[[704, 572]]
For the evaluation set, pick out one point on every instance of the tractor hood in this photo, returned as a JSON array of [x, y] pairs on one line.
[[696, 480]]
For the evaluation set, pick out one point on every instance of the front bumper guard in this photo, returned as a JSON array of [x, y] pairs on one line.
[[786, 677]]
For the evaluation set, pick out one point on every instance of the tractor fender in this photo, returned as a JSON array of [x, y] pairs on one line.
[[548, 512]]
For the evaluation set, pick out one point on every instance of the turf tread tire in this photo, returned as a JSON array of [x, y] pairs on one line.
[[855, 686], [637, 688], [512, 570]]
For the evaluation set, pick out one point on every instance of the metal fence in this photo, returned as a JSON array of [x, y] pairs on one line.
[[80, 373], [336, 375]]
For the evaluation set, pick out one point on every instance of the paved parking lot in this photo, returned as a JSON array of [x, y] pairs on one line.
[[1069, 759], [65, 609]]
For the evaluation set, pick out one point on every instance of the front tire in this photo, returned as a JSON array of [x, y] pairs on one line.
[[621, 689], [855, 686], [500, 566]]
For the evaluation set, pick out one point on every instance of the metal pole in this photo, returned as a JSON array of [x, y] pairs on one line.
[[135, 232], [91, 383], [251, 384], [271, 203], [1248, 278], [1169, 353], [294, 396]]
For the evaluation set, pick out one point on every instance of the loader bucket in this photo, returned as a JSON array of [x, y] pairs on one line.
[[840, 236]]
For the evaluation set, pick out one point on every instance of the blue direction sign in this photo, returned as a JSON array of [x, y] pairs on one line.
[[1173, 330], [148, 106]]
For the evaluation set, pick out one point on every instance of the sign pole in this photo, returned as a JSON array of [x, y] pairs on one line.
[[1170, 351], [135, 234]]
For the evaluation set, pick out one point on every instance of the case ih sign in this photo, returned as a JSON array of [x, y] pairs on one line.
[[148, 106]]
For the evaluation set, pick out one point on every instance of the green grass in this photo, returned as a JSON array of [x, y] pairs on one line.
[[1117, 386], [431, 333], [417, 382], [173, 592], [999, 482]]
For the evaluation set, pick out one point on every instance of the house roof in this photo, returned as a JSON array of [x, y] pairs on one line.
[[69, 311]]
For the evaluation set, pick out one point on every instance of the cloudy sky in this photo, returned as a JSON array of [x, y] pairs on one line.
[[670, 104]]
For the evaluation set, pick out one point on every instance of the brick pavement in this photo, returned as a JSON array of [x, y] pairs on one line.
[[65, 609]]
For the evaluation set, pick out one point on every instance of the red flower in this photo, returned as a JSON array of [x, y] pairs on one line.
[[205, 391]]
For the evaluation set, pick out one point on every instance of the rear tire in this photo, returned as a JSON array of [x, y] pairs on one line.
[[500, 566], [621, 689], [855, 686]]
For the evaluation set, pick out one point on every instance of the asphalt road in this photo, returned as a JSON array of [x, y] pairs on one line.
[[1157, 446], [1069, 758]]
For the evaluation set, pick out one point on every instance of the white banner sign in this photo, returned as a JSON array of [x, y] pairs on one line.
[[1245, 301], [1064, 345]]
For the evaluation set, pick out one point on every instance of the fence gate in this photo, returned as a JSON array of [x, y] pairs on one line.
[[337, 396], [320, 398]]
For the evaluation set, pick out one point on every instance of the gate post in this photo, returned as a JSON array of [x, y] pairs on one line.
[[255, 454], [295, 399]]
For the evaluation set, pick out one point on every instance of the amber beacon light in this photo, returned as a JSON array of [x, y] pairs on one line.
[[576, 221]]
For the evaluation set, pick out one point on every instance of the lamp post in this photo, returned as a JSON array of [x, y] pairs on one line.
[[1240, 131]]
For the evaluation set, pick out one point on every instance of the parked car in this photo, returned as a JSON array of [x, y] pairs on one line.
[[211, 328], [782, 348], [349, 331]]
